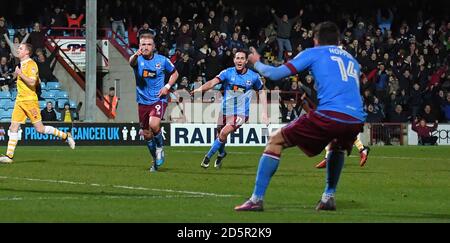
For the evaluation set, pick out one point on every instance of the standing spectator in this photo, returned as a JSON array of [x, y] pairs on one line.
[[118, 19], [373, 116], [3, 29], [133, 41], [48, 113], [213, 65], [44, 65], [428, 114], [111, 102], [37, 37], [163, 31], [385, 22], [288, 113], [73, 20], [145, 29], [446, 108], [284, 26], [6, 74], [58, 20], [398, 116], [424, 132]]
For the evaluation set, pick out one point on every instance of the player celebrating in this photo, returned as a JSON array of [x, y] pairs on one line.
[[27, 105], [151, 94], [337, 120], [238, 83]]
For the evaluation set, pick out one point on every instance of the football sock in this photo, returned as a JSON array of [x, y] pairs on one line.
[[55, 132], [215, 146], [152, 148], [222, 149], [268, 164], [359, 144], [159, 141], [335, 162], [12, 143]]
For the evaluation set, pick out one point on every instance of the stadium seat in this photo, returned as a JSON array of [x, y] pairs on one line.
[[58, 115], [53, 86], [6, 104], [5, 95], [62, 95], [61, 102], [42, 104], [73, 104], [51, 94], [43, 86]]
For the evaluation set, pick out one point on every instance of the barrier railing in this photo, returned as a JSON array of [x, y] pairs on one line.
[[387, 133]]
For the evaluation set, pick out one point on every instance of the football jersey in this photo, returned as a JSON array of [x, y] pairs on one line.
[[150, 77], [238, 90], [336, 74], [25, 92]]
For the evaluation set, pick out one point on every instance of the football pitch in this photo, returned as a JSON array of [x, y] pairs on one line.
[[112, 184]]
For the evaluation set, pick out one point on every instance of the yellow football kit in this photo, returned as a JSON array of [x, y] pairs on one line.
[[27, 100]]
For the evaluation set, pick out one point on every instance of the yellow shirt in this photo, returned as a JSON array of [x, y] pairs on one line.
[[67, 116], [25, 92]]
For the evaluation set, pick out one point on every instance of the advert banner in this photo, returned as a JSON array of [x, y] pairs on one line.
[[93, 134], [182, 134], [442, 132], [75, 49]]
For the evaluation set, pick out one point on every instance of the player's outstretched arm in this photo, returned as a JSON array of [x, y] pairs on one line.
[[134, 57], [273, 73], [207, 86]]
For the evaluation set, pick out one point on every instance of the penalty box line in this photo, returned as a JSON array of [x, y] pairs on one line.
[[200, 194]]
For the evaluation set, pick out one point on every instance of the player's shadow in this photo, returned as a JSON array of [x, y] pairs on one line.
[[342, 205]]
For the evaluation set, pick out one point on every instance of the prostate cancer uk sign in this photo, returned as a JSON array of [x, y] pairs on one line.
[[85, 134]]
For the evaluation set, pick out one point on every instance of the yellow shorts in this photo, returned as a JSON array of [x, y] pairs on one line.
[[24, 109]]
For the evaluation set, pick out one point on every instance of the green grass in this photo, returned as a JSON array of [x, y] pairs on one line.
[[112, 184]]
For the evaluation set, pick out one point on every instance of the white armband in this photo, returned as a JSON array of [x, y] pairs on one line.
[[167, 86]]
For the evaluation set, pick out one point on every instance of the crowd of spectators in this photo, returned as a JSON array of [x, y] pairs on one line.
[[403, 48]]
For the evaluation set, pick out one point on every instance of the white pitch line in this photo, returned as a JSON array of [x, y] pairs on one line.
[[118, 186], [303, 155], [95, 197]]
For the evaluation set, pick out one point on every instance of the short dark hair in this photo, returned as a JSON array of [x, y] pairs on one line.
[[327, 33], [241, 51]]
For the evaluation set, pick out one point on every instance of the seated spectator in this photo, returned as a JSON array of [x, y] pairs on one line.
[[48, 113], [67, 114], [424, 132]]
